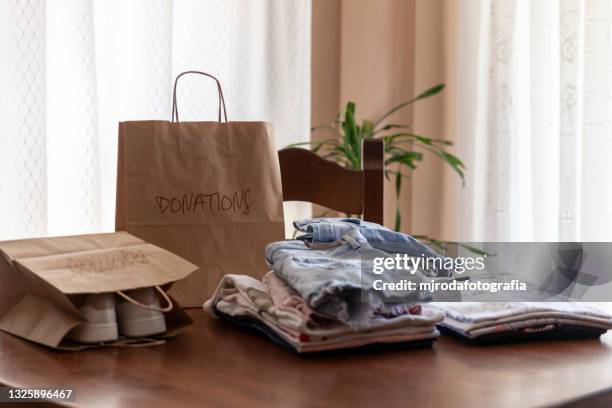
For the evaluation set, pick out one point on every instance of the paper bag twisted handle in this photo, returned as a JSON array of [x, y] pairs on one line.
[[150, 307], [222, 108]]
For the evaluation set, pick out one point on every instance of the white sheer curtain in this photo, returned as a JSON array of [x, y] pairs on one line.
[[71, 69], [534, 121]]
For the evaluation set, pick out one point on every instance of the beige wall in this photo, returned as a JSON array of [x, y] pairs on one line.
[[428, 117], [325, 62], [452, 183], [325, 66], [378, 53], [375, 49]]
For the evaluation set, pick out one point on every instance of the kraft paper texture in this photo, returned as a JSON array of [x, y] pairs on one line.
[[210, 192], [37, 275]]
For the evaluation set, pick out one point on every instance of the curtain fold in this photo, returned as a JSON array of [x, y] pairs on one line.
[[70, 70], [534, 124]]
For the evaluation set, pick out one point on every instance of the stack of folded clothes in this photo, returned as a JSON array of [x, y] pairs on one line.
[[315, 298], [500, 322], [277, 311], [319, 297]]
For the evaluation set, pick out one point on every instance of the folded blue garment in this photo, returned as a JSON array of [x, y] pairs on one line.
[[331, 268], [325, 230]]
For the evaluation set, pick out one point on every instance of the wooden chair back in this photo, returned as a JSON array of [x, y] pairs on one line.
[[308, 177]]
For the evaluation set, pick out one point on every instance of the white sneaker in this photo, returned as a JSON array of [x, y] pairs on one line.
[[140, 314], [101, 325]]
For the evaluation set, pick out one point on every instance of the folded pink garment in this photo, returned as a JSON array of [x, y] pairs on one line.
[[285, 297]]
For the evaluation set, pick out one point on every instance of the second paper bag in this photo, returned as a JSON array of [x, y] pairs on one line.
[[207, 191]]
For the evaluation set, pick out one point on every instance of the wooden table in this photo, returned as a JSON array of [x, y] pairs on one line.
[[214, 363]]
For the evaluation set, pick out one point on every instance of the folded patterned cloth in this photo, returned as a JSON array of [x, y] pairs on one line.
[[476, 320], [335, 278], [245, 300], [286, 298], [385, 342]]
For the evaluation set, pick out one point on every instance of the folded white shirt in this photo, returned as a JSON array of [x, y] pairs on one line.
[[474, 319]]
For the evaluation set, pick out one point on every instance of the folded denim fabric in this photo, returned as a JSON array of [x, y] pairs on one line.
[[325, 230], [321, 230], [241, 296], [336, 279]]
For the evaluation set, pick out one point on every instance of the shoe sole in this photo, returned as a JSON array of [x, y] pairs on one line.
[[94, 333], [143, 327]]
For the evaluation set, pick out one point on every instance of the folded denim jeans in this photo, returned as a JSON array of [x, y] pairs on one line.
[[335, 278], [325, 230]]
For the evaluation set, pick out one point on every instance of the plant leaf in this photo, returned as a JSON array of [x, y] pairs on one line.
[[413, 136], [352, 142], [398, 212], [400, 173], [428, 93], [454, 162], [398, 184], [367, 129], [431, 91], [313, 143], [392, 126], [406, 158]]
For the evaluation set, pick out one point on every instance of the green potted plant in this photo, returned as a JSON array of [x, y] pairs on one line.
[[403, 147]]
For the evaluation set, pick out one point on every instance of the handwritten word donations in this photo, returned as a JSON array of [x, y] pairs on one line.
[[111, 262], [212, 202]]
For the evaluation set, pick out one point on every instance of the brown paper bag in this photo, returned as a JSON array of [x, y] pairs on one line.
[[207, 191], [36, 275]]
